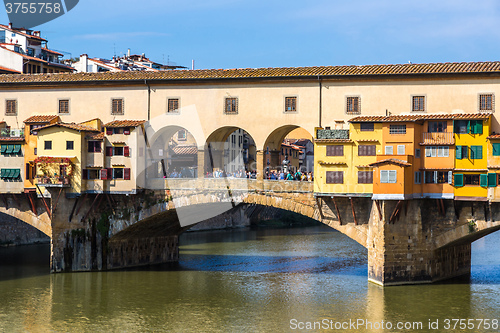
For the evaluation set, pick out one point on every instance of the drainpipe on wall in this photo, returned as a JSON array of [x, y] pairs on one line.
[[149, 99], [320, 99]]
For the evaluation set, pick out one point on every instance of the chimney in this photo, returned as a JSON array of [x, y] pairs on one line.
[[192, 64], [128, 53], [84, 62], [10, 25]]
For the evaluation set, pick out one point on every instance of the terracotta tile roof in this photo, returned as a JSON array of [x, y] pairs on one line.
[[17, 31], [11, 138], [367, 140], [185, 150], [98, 136], [420, 117], [269, 73], [391, 161], [73, 126], [494, 137], [40, 119], [332, 163], [5, 69], [50, 51], [124, 123], [333, 140]]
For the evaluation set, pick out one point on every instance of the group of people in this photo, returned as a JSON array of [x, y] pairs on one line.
[[281, 175]]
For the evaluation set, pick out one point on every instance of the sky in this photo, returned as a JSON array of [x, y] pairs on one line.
[[277, 33]]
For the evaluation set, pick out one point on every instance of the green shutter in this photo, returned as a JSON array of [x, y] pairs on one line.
[[9, 149], [483, 180], [492, 179], [479, 127], [458, 152], [7, 173], [459, 179], [4, 148], [468, 127], [16, 173], [17, 149], [476, 152], [3, 173], [496, 149]]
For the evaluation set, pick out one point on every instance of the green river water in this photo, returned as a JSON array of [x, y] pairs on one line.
[[246, 280]]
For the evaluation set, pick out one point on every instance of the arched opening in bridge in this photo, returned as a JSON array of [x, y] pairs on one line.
[[229, 151], [17, 232], [173, 154], [288, 149]]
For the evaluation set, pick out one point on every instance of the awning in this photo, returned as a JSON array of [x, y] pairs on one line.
[[4, 148], [17, 149], [10, 173], [9, 149]]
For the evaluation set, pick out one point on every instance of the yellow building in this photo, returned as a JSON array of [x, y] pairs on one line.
[[342, 158], [31, 126], [471, 162], [493, 167], [59, 160]]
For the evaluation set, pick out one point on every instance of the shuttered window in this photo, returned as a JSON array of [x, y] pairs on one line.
[[496, 149], [365, 177], [334, 150], [476, 152], [334, 177], [461, 152], [492, 179], [126, 173], [401, 149], [459, 180], [126, 151], [367, 150], [388, 176]]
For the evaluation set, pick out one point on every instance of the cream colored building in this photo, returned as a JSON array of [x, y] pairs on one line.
[[266, 103]]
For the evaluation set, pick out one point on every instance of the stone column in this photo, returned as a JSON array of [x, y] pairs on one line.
[[259, 159], [402, 251], [201, 163]]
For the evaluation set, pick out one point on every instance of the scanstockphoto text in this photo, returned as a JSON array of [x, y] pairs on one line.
[[450, 324]]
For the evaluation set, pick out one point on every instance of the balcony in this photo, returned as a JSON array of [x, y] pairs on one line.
[[336, 134], [438, 138], [53, 181], [12, 133]]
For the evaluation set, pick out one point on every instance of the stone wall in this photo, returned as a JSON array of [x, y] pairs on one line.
[[16, 232]]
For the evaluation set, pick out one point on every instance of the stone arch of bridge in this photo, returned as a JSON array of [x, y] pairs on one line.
[[40, 222], [272, 145], [189, 207], [239, 155], [161, 147], [466, 233]]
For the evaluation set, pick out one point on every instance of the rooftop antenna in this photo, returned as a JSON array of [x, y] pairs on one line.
[[114, 50]]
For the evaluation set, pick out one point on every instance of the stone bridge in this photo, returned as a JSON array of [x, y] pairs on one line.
[[414, 241]]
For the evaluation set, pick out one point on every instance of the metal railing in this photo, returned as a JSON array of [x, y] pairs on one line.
[[433, 138]]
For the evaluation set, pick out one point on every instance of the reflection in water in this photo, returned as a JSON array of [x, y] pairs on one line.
[[237, 281]]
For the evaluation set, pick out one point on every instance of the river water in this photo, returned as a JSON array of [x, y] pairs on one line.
[[246, 280]]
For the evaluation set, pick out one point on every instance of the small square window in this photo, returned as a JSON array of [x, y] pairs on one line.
[[11, 107], [290, 104], [418, 103], [173, 105], [486, 102], [70, 145], [117, 106], [117, 173], [64, 106], [231, 105], [389, 150], [353, 105], [47, 145]]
